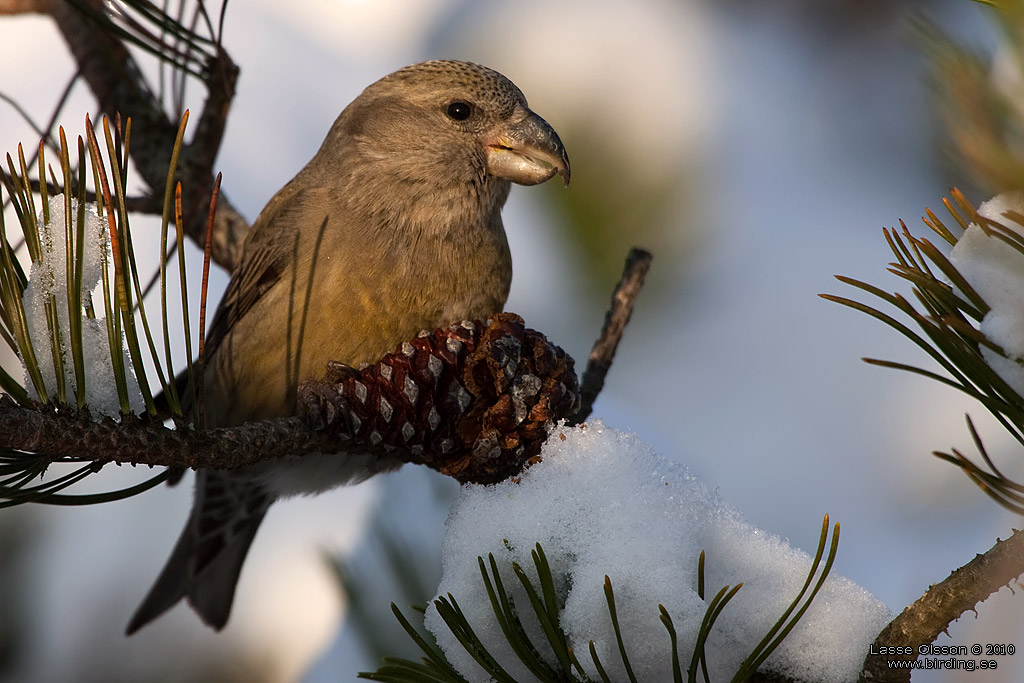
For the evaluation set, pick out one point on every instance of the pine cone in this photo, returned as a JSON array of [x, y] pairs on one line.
[[474, 402]]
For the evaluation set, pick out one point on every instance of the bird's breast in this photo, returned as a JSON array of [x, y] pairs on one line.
[[368, 300]]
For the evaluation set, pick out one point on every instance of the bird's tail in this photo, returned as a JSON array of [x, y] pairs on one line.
[[205, 564]]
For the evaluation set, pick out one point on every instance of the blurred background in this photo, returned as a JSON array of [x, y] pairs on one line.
[[757, 149]]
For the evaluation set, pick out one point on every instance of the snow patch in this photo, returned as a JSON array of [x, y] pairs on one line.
[[602, 502], [995, 270], [49, 278]]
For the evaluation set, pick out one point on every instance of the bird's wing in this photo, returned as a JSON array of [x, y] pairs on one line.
[[267, 252]]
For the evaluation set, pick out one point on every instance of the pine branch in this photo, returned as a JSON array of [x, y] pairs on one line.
[[472, 401], [117, 82], [51, 432], [942, 604], [948, 311]]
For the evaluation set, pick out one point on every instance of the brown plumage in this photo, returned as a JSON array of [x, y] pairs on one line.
[[392, 228]]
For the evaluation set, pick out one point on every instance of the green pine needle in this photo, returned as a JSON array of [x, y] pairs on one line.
[[677, 670], [947, 313], [543, 603], [785, 624]]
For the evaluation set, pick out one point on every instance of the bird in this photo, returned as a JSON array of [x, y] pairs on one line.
[[393, 227]]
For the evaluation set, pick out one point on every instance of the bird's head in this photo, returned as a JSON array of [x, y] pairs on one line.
[[449, 122]]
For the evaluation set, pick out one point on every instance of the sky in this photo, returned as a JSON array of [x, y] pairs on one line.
[[802, 135]]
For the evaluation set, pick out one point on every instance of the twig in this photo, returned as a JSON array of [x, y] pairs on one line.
[[638, 262], [942, 604]]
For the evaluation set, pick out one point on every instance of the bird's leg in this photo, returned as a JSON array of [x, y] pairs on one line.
[[338, 372]]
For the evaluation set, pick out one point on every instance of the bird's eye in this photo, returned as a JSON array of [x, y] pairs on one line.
[[459, 110]]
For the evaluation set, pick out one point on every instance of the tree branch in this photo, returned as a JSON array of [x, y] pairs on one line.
[[117, 82], [474, 402], [638, 262], [52, 431], [942, 604]]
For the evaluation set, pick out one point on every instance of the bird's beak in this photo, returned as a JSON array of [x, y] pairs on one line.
[[527, 152]]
